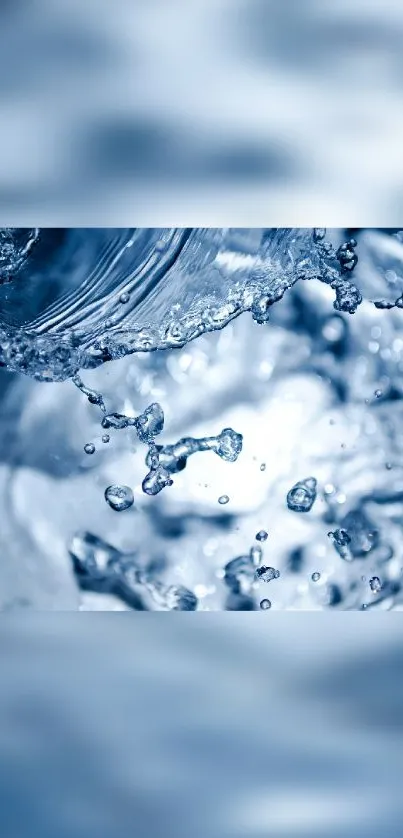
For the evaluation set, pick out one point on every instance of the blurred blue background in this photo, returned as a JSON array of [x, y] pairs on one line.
[[210, 112], [184, 726]]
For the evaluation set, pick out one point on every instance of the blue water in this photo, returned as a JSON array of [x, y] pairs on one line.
[[281, 354]]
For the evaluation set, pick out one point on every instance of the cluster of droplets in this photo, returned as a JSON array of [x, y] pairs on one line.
[[163, 461], [243, 575], [101, 568]]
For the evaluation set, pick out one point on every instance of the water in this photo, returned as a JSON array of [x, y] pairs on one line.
[[315, 390]]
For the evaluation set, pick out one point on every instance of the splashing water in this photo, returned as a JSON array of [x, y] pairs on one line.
[[309, 388]]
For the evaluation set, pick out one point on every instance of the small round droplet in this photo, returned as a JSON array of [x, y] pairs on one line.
[[223, 499], [378, 394], [375, 584], [388, 466], [119, 497], [265, 604], [89, 448], [105, 438], [261, 535], [315, 577], [263, 467], [124, 298]]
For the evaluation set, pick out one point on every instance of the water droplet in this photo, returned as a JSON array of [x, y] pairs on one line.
[[256, 554], [150, 423], [375, 584], [89, 448], [229, 445], [261, 535], [315, 577], [303, 495], [223, 499], [119, 497], [263, 467], [156, 480], [265, 604], [378, 394], [124, 298], [341, 541], [105, 438], [266, 574]]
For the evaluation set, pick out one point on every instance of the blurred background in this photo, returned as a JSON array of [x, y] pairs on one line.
[[214, 112], [179, 726]]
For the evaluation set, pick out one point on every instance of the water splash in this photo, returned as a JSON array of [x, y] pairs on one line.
[[327, 384], [64, 311]]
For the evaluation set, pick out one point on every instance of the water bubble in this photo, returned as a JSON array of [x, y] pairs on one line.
[[105, 438], [303, 495], [223, 499], [266, 574], [89, 448], [262, 466], [375, 584], [119, 497], [378, 394], [265, 604], [124, 298], [315, 577], [261, 535]]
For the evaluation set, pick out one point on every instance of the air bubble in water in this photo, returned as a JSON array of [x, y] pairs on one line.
[[261, 535], [119, 497], [302, 496], [262, 466], [265, 604], [105, 438], [89, 448], [223, 499], [315, 577], [124, 298]]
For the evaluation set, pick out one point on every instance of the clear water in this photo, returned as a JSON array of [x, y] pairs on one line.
[[306, 382]]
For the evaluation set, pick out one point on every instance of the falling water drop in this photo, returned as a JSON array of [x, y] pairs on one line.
[[119, 497]]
